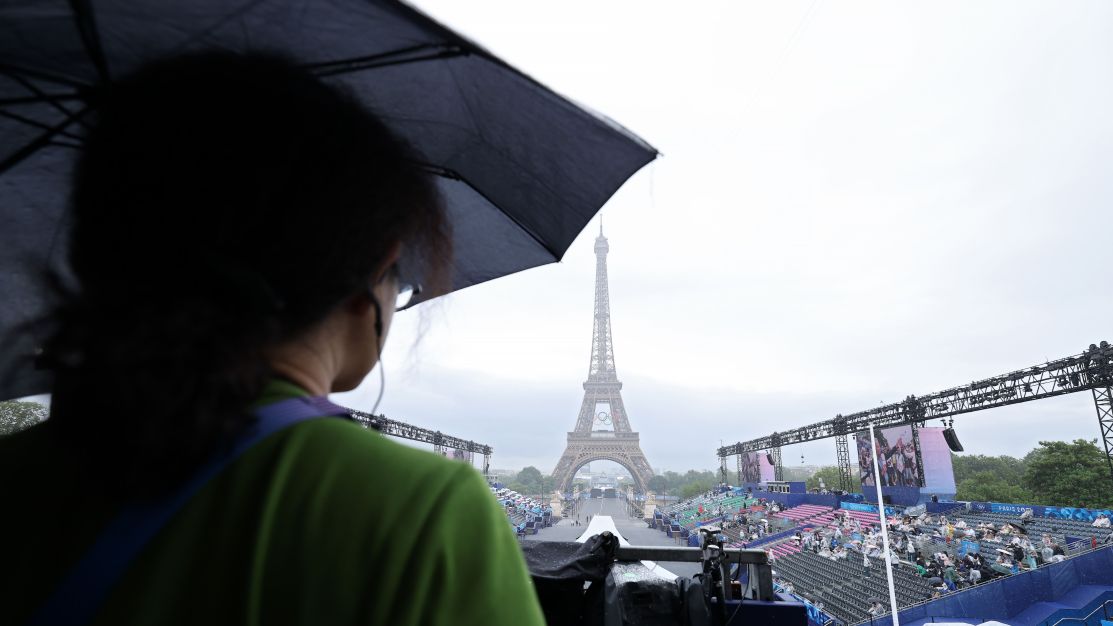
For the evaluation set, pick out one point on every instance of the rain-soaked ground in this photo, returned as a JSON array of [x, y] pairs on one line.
[[635, 530]]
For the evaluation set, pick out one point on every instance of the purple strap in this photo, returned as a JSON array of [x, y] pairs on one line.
[[83, 591]]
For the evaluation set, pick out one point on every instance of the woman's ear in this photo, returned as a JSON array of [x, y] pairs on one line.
[[360, 303], [394, 252]]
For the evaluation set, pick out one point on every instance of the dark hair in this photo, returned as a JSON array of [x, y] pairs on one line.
[[224, 203]]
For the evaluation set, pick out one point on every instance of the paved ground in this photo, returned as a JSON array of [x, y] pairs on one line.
[[634, 530]]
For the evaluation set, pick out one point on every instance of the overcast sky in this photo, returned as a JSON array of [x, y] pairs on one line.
[[855, 202]]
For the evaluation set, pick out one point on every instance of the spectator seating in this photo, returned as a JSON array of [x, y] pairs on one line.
[[525, 514], [803, 512], [843, 586]]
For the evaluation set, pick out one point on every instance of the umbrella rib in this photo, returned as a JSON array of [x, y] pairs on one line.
[[13, 70], [33, 88], [414, 54], [87, 27], [454, 175], [45, 139], [46, 97], [37, 124]]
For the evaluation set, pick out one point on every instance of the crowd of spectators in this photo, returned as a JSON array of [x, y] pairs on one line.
[[524, 513]]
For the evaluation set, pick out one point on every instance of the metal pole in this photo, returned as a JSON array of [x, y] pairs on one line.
[[884, 528]]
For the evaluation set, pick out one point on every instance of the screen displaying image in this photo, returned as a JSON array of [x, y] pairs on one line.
[[896, 457], [751, 468], [939, 473], [756, 468]]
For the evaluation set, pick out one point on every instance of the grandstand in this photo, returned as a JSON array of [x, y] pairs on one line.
[[837, 586], [526, 515]]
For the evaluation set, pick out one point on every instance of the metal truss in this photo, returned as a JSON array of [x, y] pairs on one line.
[[1091, 370], [439, 440], [1103, 402], [842, 449], [778, 467]]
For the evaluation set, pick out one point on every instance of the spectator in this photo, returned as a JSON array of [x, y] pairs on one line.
[[240, 230], [949, 577]]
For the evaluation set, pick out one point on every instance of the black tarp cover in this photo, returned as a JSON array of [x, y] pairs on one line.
[[561, 568]]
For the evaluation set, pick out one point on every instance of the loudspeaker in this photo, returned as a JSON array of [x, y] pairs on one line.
[[952, 440], [769, 457]]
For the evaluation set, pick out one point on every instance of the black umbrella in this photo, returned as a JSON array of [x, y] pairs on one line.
[[523, 170], [1020, 528]]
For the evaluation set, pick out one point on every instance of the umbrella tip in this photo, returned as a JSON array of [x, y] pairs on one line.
[[600, 224]]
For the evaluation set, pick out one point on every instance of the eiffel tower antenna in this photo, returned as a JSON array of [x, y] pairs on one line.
[[602, 430]]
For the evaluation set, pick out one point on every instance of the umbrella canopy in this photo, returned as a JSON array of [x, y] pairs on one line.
[[522, 169]]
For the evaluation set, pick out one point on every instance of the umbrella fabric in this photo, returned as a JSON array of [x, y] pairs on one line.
[[522, 169]]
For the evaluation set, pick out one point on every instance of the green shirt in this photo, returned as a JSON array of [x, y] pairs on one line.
[[323, 522]]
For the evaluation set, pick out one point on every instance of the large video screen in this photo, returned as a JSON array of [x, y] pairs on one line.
[[939, 471], [756, 468], [896, 457]]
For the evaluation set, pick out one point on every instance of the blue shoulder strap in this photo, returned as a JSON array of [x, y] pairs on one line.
[[84, 589]]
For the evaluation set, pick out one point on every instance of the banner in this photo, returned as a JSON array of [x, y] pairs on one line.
[[868, 508], [914, 511], [1008, 509], [1066, 512], [968, 547]]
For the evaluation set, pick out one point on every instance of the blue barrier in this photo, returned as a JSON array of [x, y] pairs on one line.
[[816, 617], [1007, 597], [936, 508], [867, 508]]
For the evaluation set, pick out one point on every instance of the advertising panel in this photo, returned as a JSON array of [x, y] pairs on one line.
[[866, 508], [896, 456]]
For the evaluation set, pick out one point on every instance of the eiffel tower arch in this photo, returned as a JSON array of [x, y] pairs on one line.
[[602, 430]]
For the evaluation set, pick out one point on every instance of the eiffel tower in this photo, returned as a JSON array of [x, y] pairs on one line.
[[603, 430]]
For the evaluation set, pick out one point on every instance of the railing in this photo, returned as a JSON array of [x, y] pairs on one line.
[[995, 581], [1085, 620]]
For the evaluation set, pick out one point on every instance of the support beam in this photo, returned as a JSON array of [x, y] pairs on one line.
[[1091, 370], [842, 449], [403, 430], [1103, 402], [778, 467]]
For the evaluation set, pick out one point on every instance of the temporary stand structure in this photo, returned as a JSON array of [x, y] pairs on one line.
[[884, 529]]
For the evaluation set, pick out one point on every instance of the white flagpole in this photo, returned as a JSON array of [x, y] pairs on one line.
[[884, 529]]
